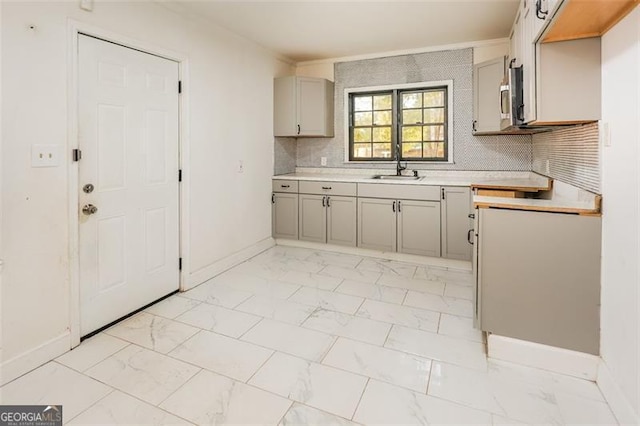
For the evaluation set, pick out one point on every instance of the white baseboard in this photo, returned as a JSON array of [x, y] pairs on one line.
[[208, 272], [557, 360], [618, 403], [400, 257], [33, 358]]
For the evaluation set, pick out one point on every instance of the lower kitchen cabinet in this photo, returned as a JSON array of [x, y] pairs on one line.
[[456, 224], [327, 219], [284, 215], [419, 227], [405, 226], [535, 286], [377, 224]]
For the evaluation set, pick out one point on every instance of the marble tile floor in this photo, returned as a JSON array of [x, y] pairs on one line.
[[297, 336]]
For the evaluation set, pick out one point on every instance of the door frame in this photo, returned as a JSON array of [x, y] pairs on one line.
[[74, 29]]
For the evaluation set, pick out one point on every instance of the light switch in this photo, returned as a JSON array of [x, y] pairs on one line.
[[45, 155]]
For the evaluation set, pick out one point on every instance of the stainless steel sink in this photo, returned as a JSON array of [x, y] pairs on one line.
[[395, 177]]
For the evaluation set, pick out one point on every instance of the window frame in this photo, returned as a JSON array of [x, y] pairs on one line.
[[396, 90]]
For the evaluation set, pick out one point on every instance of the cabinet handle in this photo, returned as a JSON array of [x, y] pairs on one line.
[[298, 129], [469, 236], [442, 189], [326, 187], [541, 14], [328, 204], [285, 186], [393, 207], [273, 198], [399, 209], [323, 202], [474, 125], [472, 216]]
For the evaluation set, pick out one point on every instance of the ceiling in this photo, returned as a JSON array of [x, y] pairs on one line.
[[310, 30]]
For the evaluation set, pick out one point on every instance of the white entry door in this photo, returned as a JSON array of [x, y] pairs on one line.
[[128, 137]]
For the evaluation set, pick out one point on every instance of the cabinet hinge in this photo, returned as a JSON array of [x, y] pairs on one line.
[[180, 264], [179, 175], [179, 86], [76, 154]]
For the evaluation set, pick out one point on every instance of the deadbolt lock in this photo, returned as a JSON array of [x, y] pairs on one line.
[[89, 209], [88, 188]]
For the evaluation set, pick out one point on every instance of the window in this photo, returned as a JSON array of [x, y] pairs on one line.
[[410, 123]]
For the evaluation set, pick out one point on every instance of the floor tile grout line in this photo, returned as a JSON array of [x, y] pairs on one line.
[[324, 356], [261, 365], [364, 389], [66, 421], [248, 330], [56, 359]]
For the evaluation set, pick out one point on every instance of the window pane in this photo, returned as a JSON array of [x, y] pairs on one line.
[[362, 135], [412, 100], [411, 150], [382, 134], [362, 103], [381, 118], [435, 98], [362, 118], [411, 133], [412, 116], [382, 102], [434, 133], [434, 150], [434, 115], [382, 150], [362, 150]]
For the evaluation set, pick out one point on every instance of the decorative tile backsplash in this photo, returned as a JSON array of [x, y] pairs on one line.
[[571, 155], [284, 155], [469, 152]]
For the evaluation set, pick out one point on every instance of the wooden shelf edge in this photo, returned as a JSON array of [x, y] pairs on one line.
[[570, 210]]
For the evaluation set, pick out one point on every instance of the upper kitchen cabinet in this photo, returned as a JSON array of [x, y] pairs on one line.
[[561, 81], [487, 77], [584, 18], [303, 107]]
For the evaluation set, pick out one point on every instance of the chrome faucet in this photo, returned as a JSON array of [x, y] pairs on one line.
[[400, 168]]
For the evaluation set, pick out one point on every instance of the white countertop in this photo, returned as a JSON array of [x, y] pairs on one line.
[[516, 180]]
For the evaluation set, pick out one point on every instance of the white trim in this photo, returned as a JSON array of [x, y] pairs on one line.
[[204, 274], [73, 29], [557, 360], [455, 46], [616, 399], [403, 86], [400, 257], [33, 358]]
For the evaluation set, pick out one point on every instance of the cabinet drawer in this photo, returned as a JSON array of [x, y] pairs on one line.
[[285, 186], [329, 188], [400, 191]]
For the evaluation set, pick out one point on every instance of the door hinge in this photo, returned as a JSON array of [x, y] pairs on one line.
[[179, 86], [179, 175], [76, 154], [180, 264]]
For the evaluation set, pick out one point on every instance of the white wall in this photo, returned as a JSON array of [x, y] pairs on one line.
[[230, 83], [620, 317], [482, 51]]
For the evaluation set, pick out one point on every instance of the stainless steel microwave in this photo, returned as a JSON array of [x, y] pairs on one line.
[[511, 100]]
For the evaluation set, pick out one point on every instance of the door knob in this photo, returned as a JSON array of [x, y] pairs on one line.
[[88, 188], [89, 209]]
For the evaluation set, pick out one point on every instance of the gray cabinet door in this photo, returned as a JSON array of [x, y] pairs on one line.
[[341, 220], [311, 106], [377, 224], [487, 77], [313, 218], [456, 224], [419, 227], [284, 216]]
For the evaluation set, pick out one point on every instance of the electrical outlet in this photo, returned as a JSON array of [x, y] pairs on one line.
[[323, 161], [45, 155], [240, 166]]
